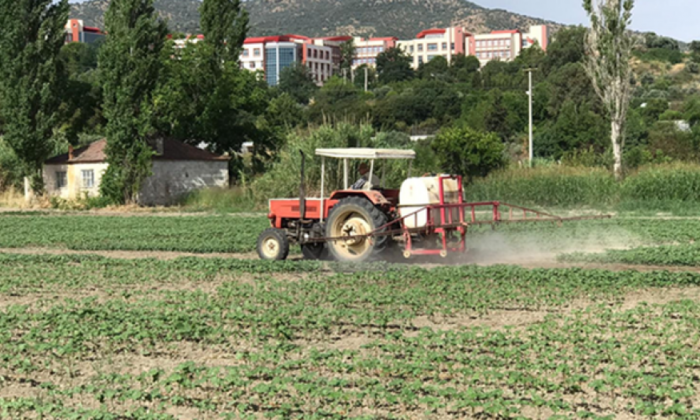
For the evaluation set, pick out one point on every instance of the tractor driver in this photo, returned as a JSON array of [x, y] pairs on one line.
[[362, 183]]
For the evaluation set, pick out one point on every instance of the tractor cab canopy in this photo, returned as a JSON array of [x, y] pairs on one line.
[[371, 155]]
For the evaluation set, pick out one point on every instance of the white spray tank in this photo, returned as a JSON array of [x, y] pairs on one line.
[[416, 193]]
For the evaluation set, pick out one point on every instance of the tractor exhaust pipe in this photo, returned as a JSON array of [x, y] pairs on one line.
[[302, 189]]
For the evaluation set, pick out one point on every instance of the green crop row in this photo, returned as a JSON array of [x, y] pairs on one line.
[[687, 255], [205, 234], [220, 339], [200, 234]]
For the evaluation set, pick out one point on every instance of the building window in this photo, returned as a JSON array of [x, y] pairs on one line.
[[430, 57], [420, 59], [453, 46], [381, 49], [444, 46], [256, 52], [420, 47], [251, 65], [61, 179], [432, 47], [88, 178], [245, 52], [410, 48]]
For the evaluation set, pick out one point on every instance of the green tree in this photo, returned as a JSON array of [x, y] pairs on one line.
[[81, 108], [464, 151], [566, 47], [129, 63], [297, 81], [339, 101], [31, 79], [464, 68], [360, 77], [609, 48], [435, 69], [393, 65], [204, 98], [224, 25], [347, 56]]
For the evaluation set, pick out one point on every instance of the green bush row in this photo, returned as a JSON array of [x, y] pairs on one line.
[[656, 187]]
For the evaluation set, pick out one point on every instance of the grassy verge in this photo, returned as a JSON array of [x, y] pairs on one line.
[[661, 188]]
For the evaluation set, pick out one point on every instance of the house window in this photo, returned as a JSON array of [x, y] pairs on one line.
[[61, 179], [256, 52], [245, 52], [251, 65], [444, 46], [420, 59], [432, 47], [420, 47], [88, 178], [410, 48], [453, 46]]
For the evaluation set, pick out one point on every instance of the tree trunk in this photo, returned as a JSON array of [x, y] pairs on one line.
[[616, 138]]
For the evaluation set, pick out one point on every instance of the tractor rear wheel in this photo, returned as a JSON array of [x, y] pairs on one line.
[[273, 245], [355, 216]]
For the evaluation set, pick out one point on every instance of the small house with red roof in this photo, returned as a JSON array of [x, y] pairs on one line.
[[177, 169]]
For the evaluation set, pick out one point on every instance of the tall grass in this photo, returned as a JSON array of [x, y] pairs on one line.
[[670, 187], [547, 186]]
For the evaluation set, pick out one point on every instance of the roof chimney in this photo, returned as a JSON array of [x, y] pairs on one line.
[[70, 152]]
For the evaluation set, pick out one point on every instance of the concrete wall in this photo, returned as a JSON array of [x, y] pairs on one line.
[[172, 179], [74, 177]]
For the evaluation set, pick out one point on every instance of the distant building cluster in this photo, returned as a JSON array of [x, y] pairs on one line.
[[322, 56], [76, 31]]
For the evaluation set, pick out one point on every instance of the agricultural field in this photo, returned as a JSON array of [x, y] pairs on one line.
[[100, 337]]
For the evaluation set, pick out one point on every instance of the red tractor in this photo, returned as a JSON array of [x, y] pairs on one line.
[[426, 216]]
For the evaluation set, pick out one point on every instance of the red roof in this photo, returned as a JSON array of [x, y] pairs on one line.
[[91, 29], [172, 150], [386, 38], [264, 39], [294, 36], [512, 31], [430, 32], [336, 38]]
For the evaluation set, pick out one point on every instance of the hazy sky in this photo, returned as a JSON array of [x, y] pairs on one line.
[[674, 18]]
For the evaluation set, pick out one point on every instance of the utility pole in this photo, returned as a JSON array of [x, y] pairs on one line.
[[529, 94], [366, 79]]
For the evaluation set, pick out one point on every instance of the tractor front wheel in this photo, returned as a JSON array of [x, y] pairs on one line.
[[354, 218], [273, 245]]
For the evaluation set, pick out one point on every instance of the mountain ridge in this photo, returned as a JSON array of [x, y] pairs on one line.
[[400, 18]]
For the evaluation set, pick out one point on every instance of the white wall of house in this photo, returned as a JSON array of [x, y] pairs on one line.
[[172, 179], [75, 180]]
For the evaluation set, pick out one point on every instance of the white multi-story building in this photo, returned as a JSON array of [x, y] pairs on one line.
[[367, 50], [506, 45], [272, 54], [448, 42], [431, 43]]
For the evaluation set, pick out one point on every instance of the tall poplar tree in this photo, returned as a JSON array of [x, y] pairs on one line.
[[224, 26], [129, 64], [31, 78], [609, 46]]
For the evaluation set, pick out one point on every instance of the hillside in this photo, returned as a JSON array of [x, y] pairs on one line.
[[401, 18]]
